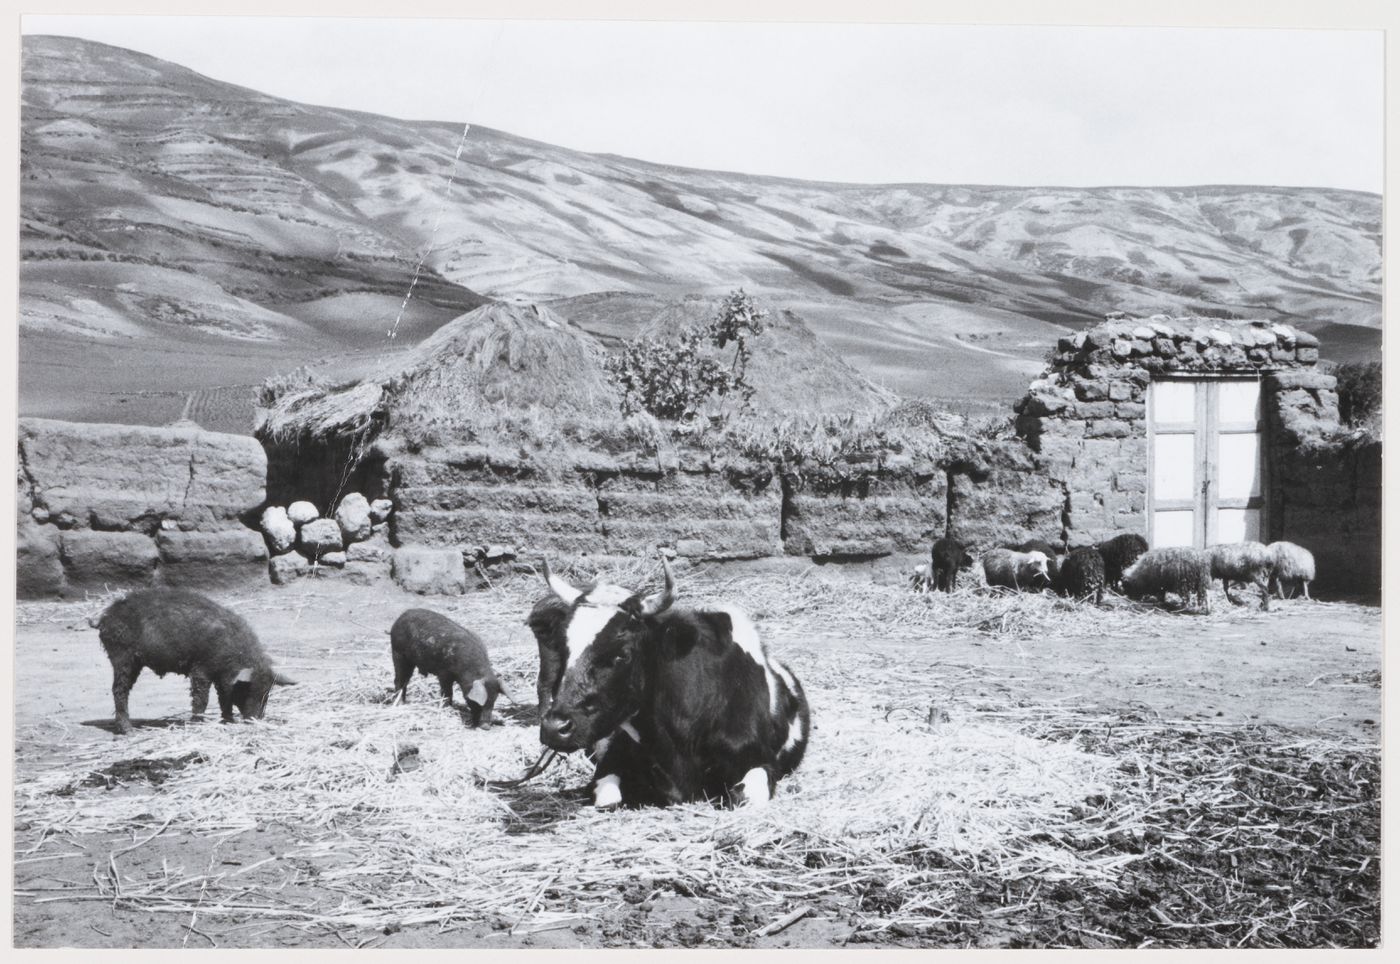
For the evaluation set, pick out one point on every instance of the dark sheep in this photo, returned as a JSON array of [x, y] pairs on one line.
[[1119, 553], [949, 557], [1178, 569], [177, 631], [1082, 575], [436, 646]]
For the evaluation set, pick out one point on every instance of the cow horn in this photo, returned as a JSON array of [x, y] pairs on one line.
[[661, 601], [559, 585]]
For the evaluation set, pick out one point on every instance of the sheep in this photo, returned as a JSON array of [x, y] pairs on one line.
[[1179, 570], [1242, 562], [949, 556], [1052, 557], [1082, 575], [1016, 570], [1119, 553], [1292, 564]]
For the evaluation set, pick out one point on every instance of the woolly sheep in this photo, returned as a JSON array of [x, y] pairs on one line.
[[1082, 575], [1292, 565], [1119, 553], [1052, 557], [1179, 570], [1242, 562], [1016, 570]]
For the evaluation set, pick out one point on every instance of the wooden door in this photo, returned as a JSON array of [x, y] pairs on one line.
[[1206, 454]]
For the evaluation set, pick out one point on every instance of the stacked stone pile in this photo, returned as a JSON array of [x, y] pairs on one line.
[[299, 538]]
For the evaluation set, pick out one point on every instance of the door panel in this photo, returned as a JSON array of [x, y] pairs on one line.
[[1173, 402], [1173, 467], [1237, 402], [1206, 446], [1176, 527], [1239, 469]]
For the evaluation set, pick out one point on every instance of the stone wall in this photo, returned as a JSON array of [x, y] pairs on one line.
[[118, 506]]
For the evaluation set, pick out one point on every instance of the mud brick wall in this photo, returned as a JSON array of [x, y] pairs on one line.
[[473, 496], [1001, 494], [1325, 485], [862, 510], [117, 506], [701, 509]]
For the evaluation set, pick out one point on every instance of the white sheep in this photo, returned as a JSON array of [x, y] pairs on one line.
[[1016, 570], [1242, 562], [1292, 565]]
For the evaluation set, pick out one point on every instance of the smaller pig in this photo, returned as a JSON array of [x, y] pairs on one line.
[[436, 646], [178, 631]]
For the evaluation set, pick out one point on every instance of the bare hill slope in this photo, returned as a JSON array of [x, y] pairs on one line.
[[158, 204]]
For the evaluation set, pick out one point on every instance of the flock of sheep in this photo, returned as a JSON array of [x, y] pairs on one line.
[[1125, 564]]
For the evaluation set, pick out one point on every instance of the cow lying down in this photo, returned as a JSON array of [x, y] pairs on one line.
[[673, 705]]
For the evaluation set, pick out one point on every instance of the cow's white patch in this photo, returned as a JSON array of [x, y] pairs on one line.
[[631, 731], [755, 787], [607, 791], [795, 736], [601, 747], [745, 635], [584, 627]]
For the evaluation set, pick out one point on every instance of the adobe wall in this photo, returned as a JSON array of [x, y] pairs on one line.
[[119, 506], [105, 505]]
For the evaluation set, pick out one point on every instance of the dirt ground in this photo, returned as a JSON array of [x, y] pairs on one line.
[[1312, 667]]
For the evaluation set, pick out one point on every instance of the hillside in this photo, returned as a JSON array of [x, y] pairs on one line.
[[159, 206]]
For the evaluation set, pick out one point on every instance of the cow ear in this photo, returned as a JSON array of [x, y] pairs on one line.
[[477, 693]]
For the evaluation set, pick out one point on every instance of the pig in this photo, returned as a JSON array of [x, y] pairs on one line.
[[436, 646], [178, 631]]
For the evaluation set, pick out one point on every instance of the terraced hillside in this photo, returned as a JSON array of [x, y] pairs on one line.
[[160, 206]]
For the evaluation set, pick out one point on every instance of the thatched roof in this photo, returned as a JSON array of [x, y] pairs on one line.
[[517, 356]]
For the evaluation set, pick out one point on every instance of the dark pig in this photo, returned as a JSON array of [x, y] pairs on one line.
[[436, 646], [177, 631]]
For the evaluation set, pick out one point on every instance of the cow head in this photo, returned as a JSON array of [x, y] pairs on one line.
[[605, 634]]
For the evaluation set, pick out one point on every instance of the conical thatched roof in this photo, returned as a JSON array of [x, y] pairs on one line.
[[791, 370], [512, 356]]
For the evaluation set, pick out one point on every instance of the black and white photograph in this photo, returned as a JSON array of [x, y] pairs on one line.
[[696, 483]]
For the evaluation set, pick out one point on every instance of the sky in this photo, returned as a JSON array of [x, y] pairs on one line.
[[1064, 106]]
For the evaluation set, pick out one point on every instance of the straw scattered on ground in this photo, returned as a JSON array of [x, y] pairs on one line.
[[932, 809]]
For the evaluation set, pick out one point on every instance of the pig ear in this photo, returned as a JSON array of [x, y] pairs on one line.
[[279, 680], [477, 694], [245, 675]]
